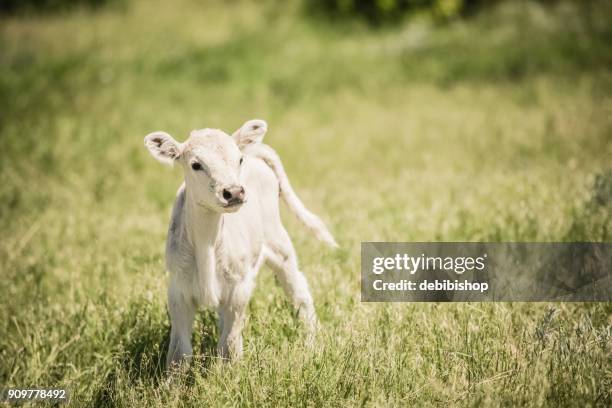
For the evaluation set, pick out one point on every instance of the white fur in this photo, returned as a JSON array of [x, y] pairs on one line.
[[214, 251]]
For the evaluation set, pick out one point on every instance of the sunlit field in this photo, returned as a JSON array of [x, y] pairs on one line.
[[497, 127]]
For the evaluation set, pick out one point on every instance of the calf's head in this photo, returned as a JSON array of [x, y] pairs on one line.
[[212, 162]]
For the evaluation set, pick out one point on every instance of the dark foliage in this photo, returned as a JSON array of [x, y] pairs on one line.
[[378, 12], [388, 11], [37, 6]]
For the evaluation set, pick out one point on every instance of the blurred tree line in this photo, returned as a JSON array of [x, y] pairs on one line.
[[375, 12], [379, 12], [37, 6], [384, 11]]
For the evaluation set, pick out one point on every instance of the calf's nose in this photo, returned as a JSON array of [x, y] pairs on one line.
[[233, 194]]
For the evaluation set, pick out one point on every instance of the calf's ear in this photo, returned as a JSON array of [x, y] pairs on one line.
[[163, 147], [252, 131]]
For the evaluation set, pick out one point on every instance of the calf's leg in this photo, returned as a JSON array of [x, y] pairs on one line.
[[182, 312], [281, 257], [232, 316]]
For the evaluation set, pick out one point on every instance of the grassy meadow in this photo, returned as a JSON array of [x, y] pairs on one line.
[[493, 128]]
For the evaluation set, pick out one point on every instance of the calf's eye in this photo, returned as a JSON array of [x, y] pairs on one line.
[[241, 159], [196, 166]]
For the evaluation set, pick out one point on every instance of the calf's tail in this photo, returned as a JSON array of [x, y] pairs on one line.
[[310, 220]]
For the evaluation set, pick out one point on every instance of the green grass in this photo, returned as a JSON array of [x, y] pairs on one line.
[[492, 129]]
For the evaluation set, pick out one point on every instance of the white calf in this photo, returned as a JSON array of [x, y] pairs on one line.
[[225, 224]]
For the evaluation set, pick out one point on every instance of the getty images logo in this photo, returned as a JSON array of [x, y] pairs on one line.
[[413, 264]]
